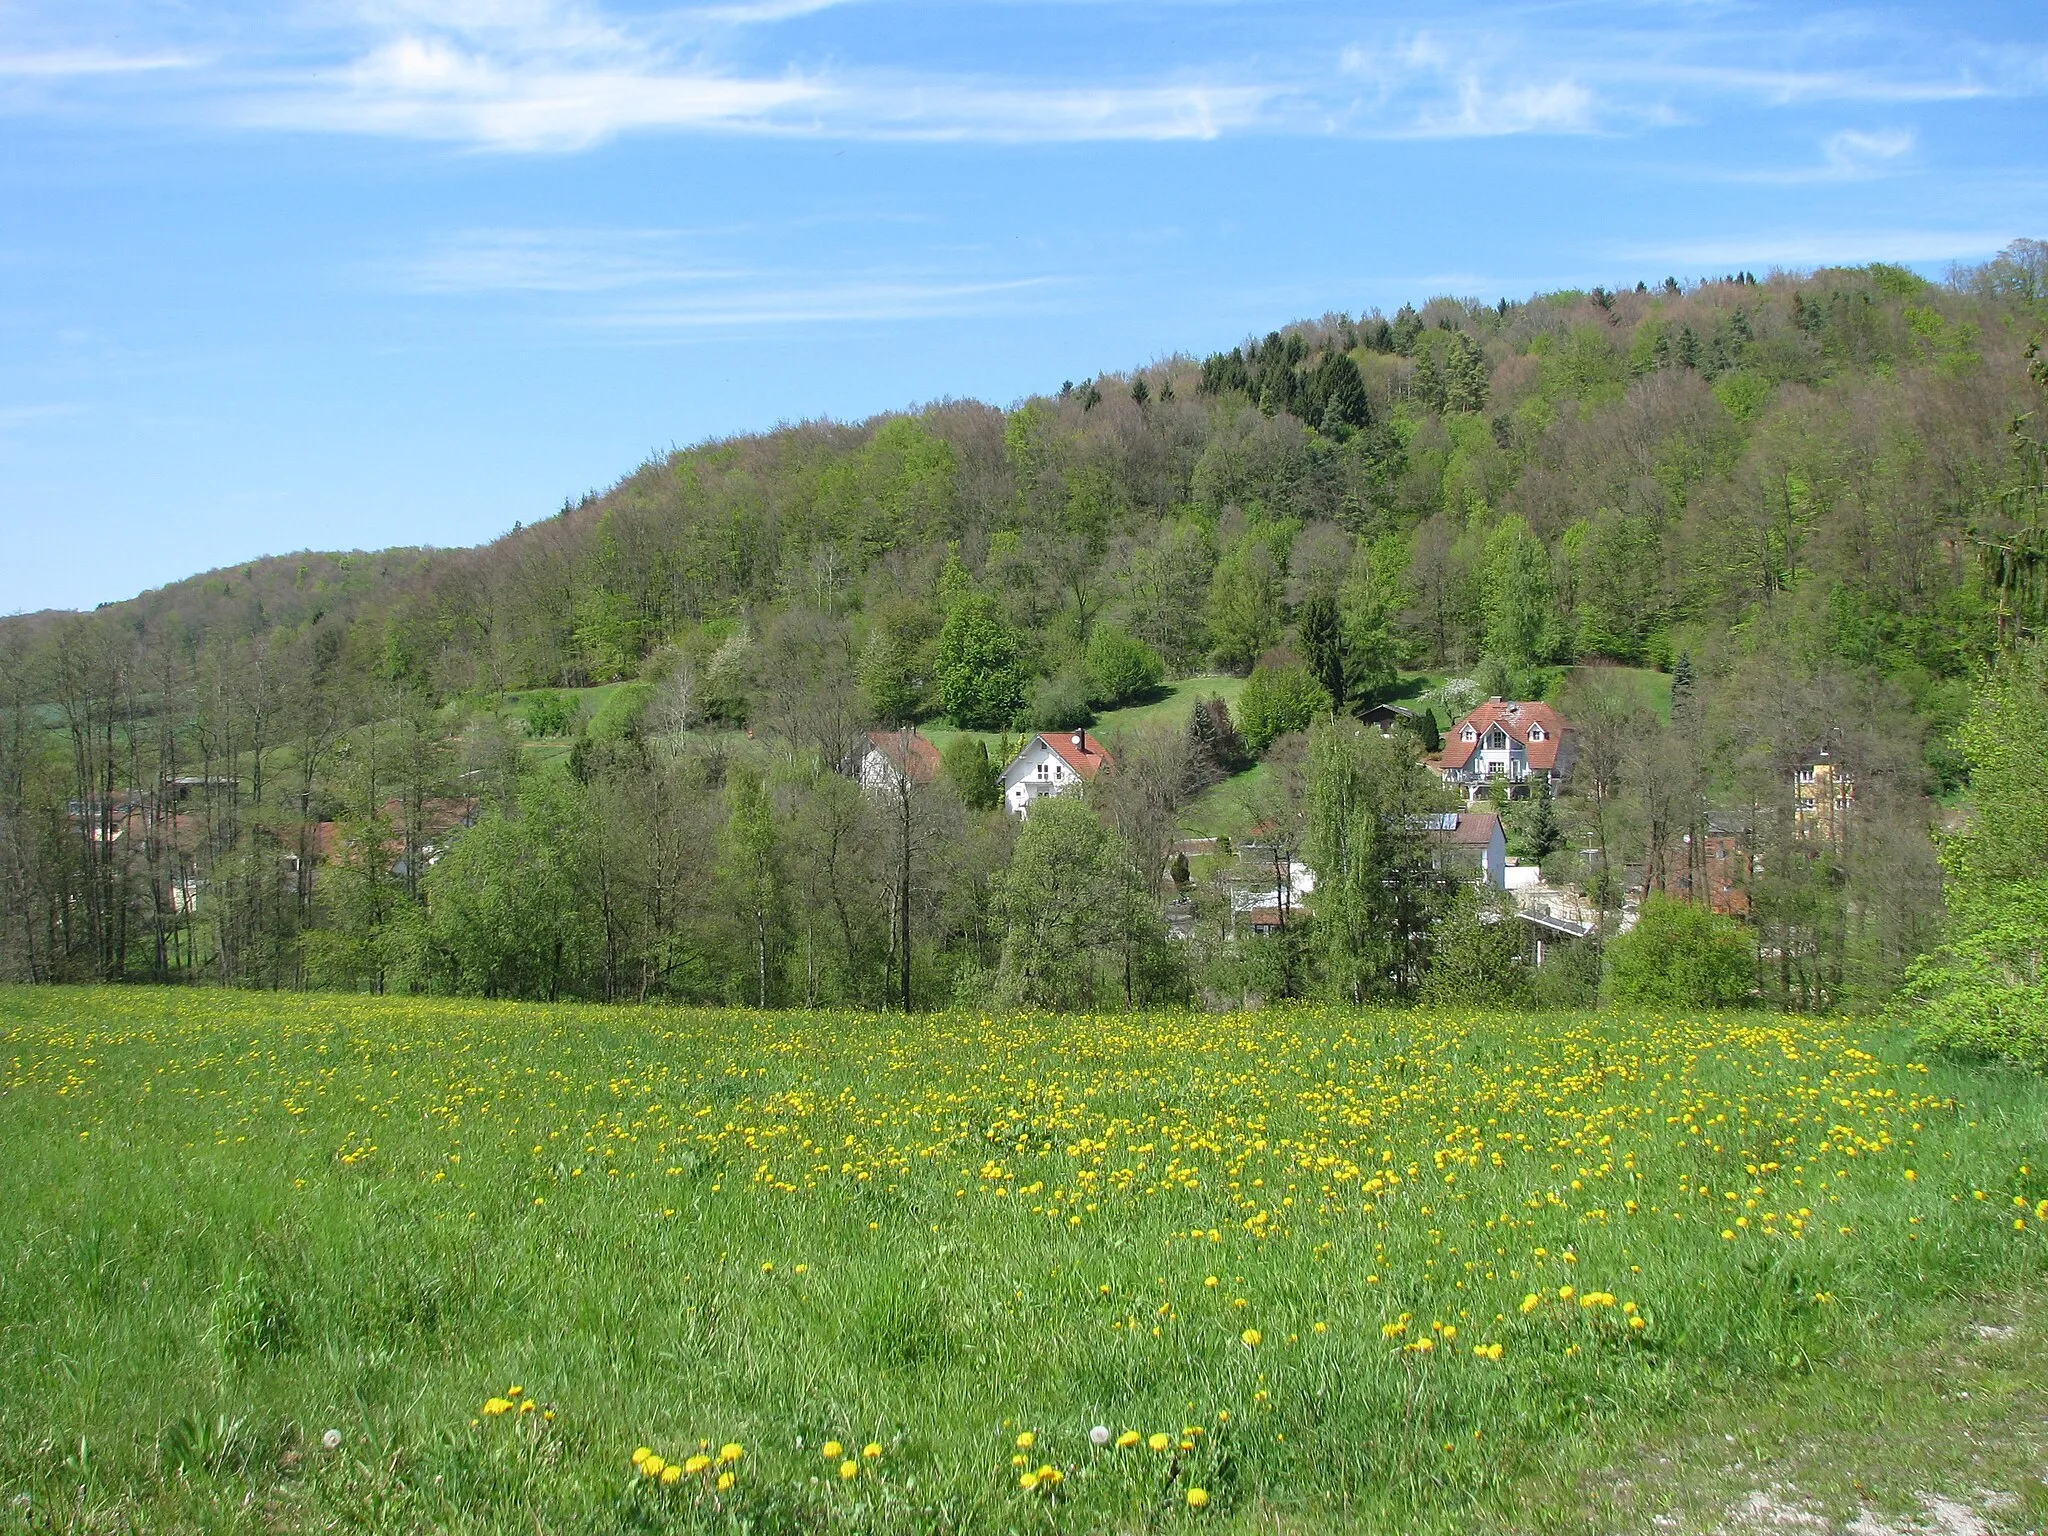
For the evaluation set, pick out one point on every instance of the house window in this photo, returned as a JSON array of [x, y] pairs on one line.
[[1470, 734], [1045, 770], [1535, 733]]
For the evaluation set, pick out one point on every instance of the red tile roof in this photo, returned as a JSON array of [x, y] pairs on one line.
[[1086, 759], [923, 766], [1475, 828], [1513, 717]]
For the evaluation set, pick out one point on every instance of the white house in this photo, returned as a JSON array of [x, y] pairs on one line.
[[1474, 841], [893, 756], [1508, 743], [1051, 763]]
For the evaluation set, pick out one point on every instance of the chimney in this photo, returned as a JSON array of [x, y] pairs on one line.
[[1080, 741]]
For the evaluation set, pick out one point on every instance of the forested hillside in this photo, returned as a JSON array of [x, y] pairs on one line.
[[1813, 502]]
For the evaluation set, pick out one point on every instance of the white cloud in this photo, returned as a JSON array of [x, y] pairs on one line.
[[563, 75], [74, 63], [1482, 111], [557, 261], [759, 12], [800, 302], [622, 281], [1855, 154], [426, 87]]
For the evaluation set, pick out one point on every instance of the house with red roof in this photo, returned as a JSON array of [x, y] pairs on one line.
[[1051, 763], [1465, 841], [894, 756], [1509, 745]]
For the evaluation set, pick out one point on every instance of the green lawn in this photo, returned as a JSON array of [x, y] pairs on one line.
[[1170, 706], [1647, 688], [1358, 1271]]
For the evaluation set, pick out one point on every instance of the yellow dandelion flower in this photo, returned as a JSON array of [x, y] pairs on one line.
[[652, 1466], [1127, 1439], [697, 1463], [848, 1470], [640, 1454], [872, 1451], [1198, 1498], [731, 1452], [495, 1406], [725, 1482], [833, 1450], [1252, 1338], [1026, 1440], [1160, 1442], [671, 1475], [1530, 1303]]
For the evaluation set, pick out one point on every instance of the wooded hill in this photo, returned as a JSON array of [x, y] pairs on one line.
[[1816, 497]]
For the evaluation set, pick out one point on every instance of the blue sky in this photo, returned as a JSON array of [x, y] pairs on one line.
[[351, 273]]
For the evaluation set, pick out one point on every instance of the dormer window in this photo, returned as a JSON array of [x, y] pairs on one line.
[[1470, 734], [1535, 733]]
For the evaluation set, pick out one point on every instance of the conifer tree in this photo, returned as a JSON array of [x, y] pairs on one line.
[[1322, 646]]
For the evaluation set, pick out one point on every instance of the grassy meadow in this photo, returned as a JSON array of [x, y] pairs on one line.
[[1310, 1269]]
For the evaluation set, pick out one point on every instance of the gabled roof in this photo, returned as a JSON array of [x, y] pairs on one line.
[[1077, 749], [920, 765], [1467, 828], [1516, 719]]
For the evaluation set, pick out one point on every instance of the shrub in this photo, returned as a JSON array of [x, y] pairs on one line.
[[1215, 744], [1276, 700], [1120, 667], [1476, 958], [620, 716], [1059, 704], [974, 779], [1680, 956], [549, 714]]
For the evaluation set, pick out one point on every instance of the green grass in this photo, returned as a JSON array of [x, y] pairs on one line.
[[229, 1222], [1648, 689], [1947, 1407], [1170, 705]]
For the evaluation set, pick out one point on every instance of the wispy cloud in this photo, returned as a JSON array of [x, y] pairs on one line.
[[76, 63], [527, 76], [1853, 155], [748, 13], [555, 75], [623, 282], [810, 303], [1435, 87], [1848, 155], [558, 261]]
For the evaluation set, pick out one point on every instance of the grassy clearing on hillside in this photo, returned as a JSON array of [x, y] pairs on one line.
[[1649, 690], [1170, 705], [1361, 1271]]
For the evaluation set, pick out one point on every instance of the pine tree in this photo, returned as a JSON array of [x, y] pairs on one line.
[[1426, 727], [1322, 644], [1543, 833], [1682, 681]]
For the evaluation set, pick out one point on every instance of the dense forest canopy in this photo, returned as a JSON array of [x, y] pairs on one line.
[[1813, 501]]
